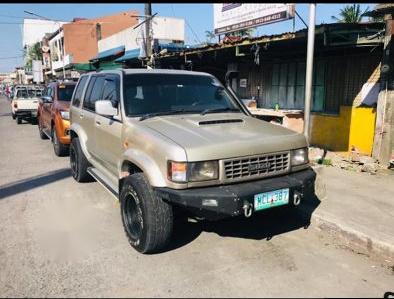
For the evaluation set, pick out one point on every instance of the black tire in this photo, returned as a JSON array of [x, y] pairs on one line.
[[147, 219], [18, 120], [40, 131], [33, 121], [61, 150], [78, 162], [13, 116]]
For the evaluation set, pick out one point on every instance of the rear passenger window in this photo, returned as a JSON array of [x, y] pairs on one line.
[[79, 91]]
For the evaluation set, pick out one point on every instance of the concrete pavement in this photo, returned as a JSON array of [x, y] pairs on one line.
[[64, 239], [359, 207]]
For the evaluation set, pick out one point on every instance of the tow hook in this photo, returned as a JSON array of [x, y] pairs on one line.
[[248, 209], [297, 198]]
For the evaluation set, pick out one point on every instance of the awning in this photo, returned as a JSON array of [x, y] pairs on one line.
[[171, 47], [109, 53], [129, 55], [83, 67]]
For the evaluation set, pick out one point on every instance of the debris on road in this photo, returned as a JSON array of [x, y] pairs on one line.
[[353, 162]]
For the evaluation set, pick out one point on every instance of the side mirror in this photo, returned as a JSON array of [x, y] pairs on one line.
[[105, 108], [47, 99]]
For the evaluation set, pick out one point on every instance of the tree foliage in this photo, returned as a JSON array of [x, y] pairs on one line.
[[210, 35], [242, 33], [350, 14], [33, 53]]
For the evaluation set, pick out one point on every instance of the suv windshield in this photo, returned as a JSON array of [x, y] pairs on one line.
[[160, 94], [65, 92]]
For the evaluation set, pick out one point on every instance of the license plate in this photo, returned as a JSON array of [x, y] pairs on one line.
[[271, 199]]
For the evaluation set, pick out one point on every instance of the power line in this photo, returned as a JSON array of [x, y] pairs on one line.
[[12, 17], [13, 57], [187, 23]]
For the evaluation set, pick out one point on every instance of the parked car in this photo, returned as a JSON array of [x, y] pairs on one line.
[[53, 115], [161, 140], [24, 103]]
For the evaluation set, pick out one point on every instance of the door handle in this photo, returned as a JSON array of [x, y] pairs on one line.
[[98, 122]]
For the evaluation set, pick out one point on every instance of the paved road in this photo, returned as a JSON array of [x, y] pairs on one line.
[[61, 238]]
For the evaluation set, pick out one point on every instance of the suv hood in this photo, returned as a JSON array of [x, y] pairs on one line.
[[224, 135]]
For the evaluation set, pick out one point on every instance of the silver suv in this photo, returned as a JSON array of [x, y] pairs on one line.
[[164, 141]]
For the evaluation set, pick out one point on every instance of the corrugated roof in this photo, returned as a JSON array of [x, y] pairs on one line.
[[319, 29]]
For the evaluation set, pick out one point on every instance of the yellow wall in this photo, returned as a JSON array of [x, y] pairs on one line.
[[353, 126], [362, 129]]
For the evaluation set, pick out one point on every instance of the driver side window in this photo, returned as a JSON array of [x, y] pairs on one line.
[[111, 90]]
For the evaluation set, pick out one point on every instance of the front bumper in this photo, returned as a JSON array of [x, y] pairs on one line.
[[26, 113], [232, 198], [63, 130]]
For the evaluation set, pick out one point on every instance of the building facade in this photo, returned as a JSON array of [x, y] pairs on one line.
[[126, 47], [75, 43]]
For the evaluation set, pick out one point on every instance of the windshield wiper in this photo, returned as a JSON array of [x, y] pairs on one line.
[[218, 110], [180, 111]]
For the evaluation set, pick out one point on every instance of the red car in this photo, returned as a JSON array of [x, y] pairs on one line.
[[53, 115]]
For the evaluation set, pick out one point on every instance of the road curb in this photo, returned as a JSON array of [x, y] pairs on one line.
[[353, 238]]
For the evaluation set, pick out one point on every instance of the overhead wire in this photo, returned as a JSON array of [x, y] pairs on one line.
[[187, 23], [12, 57]]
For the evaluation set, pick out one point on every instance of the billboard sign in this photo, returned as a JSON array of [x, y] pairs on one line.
[[230, 17]]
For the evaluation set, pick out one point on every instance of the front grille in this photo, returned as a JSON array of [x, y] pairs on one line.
[[257, 166]]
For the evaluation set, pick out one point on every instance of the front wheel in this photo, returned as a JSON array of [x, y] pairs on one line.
[[13, 116], [40, 130], [147, 219], [59, 148], [18, 120]]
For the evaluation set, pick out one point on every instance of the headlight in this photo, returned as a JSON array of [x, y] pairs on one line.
[[182, 172], [65, 115], [299, 156], [203, 171]]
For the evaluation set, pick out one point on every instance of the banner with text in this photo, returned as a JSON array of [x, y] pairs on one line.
[[229, 17]]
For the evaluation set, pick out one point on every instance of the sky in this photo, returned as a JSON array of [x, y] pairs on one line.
[[199, 18]]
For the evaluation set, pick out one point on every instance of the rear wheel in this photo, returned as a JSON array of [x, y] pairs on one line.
[[13, 116], [18, 120], [147, 219], [78, 162], [59, 148]]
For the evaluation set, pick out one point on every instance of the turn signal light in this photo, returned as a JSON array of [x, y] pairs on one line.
[[15, 105]]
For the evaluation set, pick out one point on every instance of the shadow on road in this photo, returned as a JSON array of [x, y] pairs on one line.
[[33, 182], [263, 225]]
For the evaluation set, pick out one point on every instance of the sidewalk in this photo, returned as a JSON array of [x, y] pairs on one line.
[[358, 207]]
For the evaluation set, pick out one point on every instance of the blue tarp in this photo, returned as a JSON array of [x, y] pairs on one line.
[[108, 53], [172, 47], [128, 55]]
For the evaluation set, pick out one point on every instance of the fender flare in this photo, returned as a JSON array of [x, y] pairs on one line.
[[146, 164]]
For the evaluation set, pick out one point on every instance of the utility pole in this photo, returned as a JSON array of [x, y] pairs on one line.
[[309, 70], [148, 13]]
